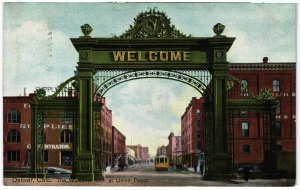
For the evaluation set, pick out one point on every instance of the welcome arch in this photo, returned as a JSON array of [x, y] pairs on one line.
[[151, 48]]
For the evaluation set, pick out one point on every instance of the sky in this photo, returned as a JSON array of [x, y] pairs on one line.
[[37, 52]]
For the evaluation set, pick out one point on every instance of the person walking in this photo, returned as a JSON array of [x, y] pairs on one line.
[[201, 168], [195, 167], [246, 172]]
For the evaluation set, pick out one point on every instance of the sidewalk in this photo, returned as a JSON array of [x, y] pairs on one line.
[[192, 170]]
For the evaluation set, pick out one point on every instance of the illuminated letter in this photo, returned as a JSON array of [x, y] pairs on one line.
[[140, 58], [186, 56], [130, 55], [175, 56], [119, 56], [151, 57], [162, 56]]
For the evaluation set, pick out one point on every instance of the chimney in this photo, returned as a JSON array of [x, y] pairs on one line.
[[24, 91], [265, 60]]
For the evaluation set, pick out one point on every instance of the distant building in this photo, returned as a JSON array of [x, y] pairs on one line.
[[106, 131], [161, 150], [129, 156], [118, 148], [192, 132], [174, 149], [141, 153], [145, 154]]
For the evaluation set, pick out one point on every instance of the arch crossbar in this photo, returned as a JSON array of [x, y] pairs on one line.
[[105, 80]]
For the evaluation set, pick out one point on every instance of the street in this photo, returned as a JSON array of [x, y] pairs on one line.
[[145, 175]]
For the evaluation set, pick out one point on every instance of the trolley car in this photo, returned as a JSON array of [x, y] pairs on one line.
[[161, 163]]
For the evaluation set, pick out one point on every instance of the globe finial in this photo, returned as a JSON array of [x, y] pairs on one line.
[[86, 30], [218, 29]]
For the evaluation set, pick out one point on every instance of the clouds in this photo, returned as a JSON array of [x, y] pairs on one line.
[[35, 56], [146, 111], [38, 52]]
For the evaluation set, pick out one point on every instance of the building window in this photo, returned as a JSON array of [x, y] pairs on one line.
[[45, 137], [246, 148], [198, 123], [13, 136], [278, 129], [198, 134], [198, 145], [276, 86], [46, 155], [244, 86], [198, 113], [13, 156], [67, 117], [245, 129], [278, 108], [66, 158], [14, 116], [66, 136]]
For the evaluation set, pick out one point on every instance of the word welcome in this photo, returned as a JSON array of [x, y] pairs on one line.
[[173, 56]]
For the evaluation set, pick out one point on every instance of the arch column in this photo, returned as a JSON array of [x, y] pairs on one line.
[[37, 143], [84, 169], [218, 159]]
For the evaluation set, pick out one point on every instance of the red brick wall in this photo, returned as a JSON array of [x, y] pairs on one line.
[[259, 79]]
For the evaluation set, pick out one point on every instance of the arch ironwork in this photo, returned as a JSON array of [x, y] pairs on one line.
[[105, 80]]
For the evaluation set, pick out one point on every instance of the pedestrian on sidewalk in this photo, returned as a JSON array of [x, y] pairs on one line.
[[246, 172], [201, 168], [195, 167]]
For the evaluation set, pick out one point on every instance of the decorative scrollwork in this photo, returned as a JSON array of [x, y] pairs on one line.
[[152, 24], [199, 83], [69, 88], [265, 94]]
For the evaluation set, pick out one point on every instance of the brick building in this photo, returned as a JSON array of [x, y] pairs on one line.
[[118, 148], [174, 149], [162, 150], [141, 153], [280, 78], [16, 131], [192, 132], [58, 135], [106, 134]]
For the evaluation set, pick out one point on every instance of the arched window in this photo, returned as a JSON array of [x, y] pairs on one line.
[[14, 116], [66, 136], [244, 86], [276, 86], [13, 136]]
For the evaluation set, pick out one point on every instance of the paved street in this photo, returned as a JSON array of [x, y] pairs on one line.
[[145, 175]]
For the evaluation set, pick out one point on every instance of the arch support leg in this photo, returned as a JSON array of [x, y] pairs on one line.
[[84, 170]]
